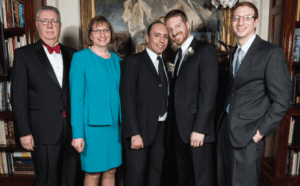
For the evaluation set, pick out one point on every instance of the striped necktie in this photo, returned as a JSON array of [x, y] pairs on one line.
[[239, 59]]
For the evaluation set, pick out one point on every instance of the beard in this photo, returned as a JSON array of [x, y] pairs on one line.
[[184, 38]]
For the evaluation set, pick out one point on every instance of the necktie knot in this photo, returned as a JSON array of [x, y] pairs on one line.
[[179, 52], [50, 49], [240, 52], [161, 71], [159, 59]]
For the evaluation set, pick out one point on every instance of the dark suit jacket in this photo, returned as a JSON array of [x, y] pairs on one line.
[[195, 92], [260, 93], [141, 94], [37, 99]]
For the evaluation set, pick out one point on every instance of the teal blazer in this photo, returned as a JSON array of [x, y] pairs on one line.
[[91, 84]]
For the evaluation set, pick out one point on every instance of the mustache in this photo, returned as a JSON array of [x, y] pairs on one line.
[[177, 34]]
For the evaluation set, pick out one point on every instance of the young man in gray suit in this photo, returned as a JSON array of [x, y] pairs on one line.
[[258, 98]]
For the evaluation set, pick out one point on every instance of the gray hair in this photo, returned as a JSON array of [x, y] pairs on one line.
[[47, 8]]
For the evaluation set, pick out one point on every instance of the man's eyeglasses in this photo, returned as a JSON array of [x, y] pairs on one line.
[[105, 31], [245, 18], [46, 21]]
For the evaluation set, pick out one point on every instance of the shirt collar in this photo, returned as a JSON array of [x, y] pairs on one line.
[[50, 45], [152, 55], [186, 44], [247, 45]]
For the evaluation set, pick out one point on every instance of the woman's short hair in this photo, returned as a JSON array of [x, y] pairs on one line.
[[95, 21]]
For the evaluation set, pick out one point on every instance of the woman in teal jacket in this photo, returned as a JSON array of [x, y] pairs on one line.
[[95, 104]]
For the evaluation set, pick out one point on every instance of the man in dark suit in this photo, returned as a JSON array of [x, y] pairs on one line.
[[193, 94], [258, 98], [41, 102], [144, 90]]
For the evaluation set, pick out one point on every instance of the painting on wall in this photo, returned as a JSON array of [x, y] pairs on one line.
[[202, 36], [134, 16]]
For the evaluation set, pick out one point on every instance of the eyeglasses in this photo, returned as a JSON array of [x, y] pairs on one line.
[[105, 31], [245, 18], [46, 21]]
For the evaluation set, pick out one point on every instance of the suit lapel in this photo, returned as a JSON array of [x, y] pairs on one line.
[[149, 64], [247, 59], [186, 58], [176, 53], [66, 64], [40, 53]]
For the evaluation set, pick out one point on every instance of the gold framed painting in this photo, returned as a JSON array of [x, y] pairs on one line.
[[131, 18]]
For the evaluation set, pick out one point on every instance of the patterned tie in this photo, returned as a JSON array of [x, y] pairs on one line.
[[239, 59], [164, 86]]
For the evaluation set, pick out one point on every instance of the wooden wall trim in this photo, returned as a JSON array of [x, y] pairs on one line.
[[29, 18], [289, 22], [287, 10], [86, 14], [30, 9]]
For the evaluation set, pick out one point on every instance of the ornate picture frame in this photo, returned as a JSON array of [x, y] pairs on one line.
[[130, 19]]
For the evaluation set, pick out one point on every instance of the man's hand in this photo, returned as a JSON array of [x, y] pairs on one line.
[[257, 137], [137, 142], [27, 142], [197, 139], [78, 144]]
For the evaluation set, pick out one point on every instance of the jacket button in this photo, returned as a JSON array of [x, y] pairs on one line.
[[159, 100], [160, 85], [233, 91]]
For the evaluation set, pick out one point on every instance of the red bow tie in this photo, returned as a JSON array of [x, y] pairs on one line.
[[56, 48]]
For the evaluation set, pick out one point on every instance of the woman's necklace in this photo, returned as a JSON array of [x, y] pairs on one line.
[[99, 53]]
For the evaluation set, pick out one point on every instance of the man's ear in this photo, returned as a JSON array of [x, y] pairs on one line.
[[37, 26], [147, 38], [188, 24], [256, 21]]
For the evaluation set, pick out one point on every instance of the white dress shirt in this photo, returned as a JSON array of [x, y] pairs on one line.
[[245, 49], [155, 62], [56, 63], [184, 48]]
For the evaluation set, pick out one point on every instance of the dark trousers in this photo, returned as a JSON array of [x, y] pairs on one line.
[[55, 164], [195, 165], [237, 166], [169, 175], [143, 166]]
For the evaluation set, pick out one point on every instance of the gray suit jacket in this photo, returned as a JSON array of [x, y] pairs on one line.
[[260, 94]]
